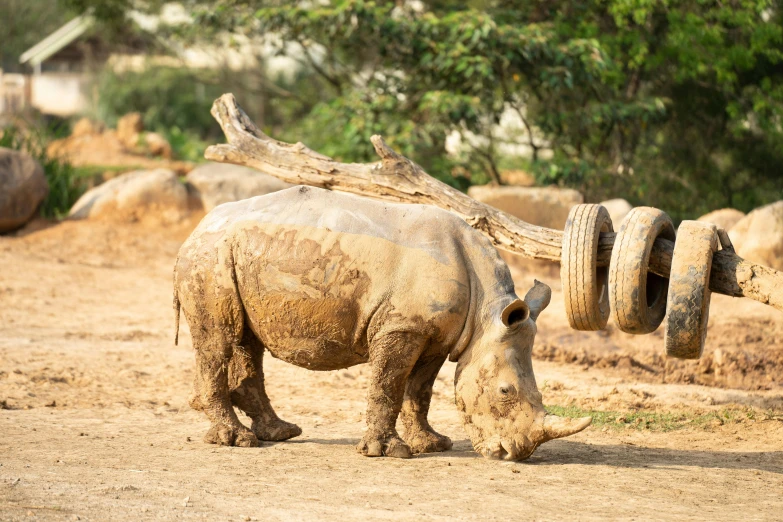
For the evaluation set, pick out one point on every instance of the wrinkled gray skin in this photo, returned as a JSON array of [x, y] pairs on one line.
[[325, 280]]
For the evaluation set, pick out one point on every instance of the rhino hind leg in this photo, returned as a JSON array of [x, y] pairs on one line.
[[216, 318], [392, 357], [246, 376], [214, 399], [418, 393]]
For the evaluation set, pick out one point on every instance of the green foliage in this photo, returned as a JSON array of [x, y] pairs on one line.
[[710, 135], [186, 145], [175, 102], [426, 75], [167, 98], [65, 186], [675, 104], [653, 421], [24, 24]]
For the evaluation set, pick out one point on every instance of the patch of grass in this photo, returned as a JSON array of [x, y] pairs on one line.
[[65, 186], [664, 422]]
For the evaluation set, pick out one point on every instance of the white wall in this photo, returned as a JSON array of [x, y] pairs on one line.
[[60, 94], [13, 92]]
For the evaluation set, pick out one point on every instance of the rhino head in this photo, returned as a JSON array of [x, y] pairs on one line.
[[496, 390]]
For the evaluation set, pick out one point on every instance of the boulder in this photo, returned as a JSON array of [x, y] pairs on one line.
[[543, 206], [724, 218], [128, 129], [23, 187], [618, 208], [219, 183], [758, 237], [86, 127], [157, 145], [142, 195], [517, 177]]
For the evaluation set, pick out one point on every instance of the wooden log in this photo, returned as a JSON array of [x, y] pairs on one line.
[[396, 178]]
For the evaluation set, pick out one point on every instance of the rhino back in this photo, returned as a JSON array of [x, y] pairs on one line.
[[423, 227], [321, 273]]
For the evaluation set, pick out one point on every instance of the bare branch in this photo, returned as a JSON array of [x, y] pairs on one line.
[[320, 70], [532, 143], [396, 178]]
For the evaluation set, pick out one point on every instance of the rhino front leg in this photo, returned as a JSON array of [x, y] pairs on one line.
[[249, 394], [392, 358], [418, 393]]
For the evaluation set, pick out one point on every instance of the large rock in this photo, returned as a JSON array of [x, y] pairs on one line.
[[724, 218], [23, 187], [157, 145], [87, 127], [618, 208], [129, 127], [543, 206], [219, 183], [517, 177], [758, 236], [143, 195]]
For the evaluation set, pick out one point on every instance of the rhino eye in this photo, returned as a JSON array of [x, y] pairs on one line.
[[506, 390]]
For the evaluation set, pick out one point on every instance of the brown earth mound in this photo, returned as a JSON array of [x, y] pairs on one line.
[[744, 347], [759, 235], [91, 145]]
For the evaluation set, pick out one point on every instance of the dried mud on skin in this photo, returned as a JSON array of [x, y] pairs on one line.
[[322, 288]]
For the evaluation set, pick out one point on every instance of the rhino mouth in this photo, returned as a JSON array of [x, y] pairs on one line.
[[506, 450], [553, 427]]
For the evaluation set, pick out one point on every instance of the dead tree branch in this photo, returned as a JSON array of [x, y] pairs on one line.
[[396, 178]]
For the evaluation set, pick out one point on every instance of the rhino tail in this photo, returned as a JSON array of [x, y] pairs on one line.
[[176, 317]]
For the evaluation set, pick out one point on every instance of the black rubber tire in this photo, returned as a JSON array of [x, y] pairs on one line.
[[688, 301], [637, 298], [585, 285]]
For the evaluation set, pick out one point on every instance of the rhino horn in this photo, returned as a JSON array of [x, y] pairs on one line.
[[557, 427]]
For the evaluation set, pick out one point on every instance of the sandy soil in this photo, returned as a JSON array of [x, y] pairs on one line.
[[95, 425]]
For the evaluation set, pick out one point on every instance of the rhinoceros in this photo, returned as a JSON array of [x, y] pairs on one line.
[[325, 281]]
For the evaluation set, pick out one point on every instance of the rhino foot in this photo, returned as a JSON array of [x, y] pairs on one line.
[[229, 436], [428, 442], [275, 430], [380, 447]]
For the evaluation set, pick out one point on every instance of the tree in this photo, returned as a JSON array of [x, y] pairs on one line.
[[674, 104], [714, 69], [25, 23]]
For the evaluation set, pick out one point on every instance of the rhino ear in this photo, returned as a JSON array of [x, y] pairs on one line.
[[537, 298], [516, 312]]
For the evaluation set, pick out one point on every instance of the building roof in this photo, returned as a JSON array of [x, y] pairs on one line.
[[216, 55], [57, 40]]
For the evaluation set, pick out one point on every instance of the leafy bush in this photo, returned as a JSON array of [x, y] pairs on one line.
[[173, 101], [186, 145], [166, 97], [672, 104], [65, 186]]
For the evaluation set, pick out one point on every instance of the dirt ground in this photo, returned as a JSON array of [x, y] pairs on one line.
[[95, 424]]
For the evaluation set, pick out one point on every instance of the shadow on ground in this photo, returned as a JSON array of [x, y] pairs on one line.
[[630, 456], [562, 452]]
